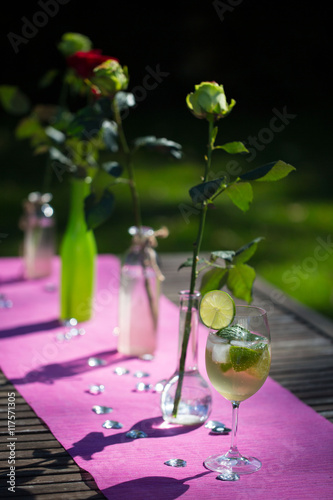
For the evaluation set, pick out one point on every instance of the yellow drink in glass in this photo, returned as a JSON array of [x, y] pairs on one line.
[[237, 369]]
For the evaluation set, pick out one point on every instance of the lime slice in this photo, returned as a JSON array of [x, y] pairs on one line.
[[261, 369], [224, 367], [243, 358], [217, 309]]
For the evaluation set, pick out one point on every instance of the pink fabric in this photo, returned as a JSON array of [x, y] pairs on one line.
[[293, 442]]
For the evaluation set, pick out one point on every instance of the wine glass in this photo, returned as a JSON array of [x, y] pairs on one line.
[[238, 360]]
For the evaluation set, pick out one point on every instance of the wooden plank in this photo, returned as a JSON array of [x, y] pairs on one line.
[[54, 495], [64, 488]]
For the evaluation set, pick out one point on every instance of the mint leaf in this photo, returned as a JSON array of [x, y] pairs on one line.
[[238, 332]]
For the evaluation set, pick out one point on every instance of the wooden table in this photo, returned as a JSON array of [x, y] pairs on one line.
[[302, 345]]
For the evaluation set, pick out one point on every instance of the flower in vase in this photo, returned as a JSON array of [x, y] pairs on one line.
[[209, 101]]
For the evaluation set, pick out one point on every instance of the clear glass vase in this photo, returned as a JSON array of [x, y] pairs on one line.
[[190, 401], [38, 224], [78, 255], [140, 285]]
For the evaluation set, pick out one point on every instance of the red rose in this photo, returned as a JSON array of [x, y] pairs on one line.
[[85, 62]]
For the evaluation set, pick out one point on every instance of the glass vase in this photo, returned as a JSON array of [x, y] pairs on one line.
[[193, 403], [78, 254], [38, 224], [140, 284]]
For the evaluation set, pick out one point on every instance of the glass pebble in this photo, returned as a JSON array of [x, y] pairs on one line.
[[135, 434], [71, 333], [213, 423], [228, 476], [102, 409], [96, 362], [141, 386], [147, 357], [176, 462], [60, 337], [140, 374], [159, 386], [220, 430], [96, 389], [112, 424], [120, 370], [70, 322]]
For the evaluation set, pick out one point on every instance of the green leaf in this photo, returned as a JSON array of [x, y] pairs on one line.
[[233, 147], [204, 191], [214, 279], [241, 194], [110, 135], [240, 281], [113, 168], [124, 100], [82, 153], [28, 127], [48, 78], [101, 180], [189, 262], [59, 157], [244, 253], [13, 100], [161, 145], [88, 121], [271, 172], [224, 254], [98, 210], [55, 135]]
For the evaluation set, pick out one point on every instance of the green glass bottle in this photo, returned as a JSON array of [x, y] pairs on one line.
[[78, 255]]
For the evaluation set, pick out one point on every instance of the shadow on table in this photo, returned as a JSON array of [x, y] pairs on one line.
[[164, 488], [48, 374], [154, 427], [34, 327]]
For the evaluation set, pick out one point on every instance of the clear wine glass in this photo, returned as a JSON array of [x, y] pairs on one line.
[[238, 360]]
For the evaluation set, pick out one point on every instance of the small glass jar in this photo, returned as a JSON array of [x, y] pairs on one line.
[[38, 225], [140, 286], [188, 402]]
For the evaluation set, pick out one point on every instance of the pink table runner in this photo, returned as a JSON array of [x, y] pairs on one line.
[[294, 443]]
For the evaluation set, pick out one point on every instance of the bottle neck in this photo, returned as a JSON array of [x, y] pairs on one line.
[[189, 319], [79, 190]]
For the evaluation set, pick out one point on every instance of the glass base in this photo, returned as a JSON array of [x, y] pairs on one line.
[[238, 465]]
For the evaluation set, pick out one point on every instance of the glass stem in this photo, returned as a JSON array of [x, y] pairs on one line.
[[233, 452]]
